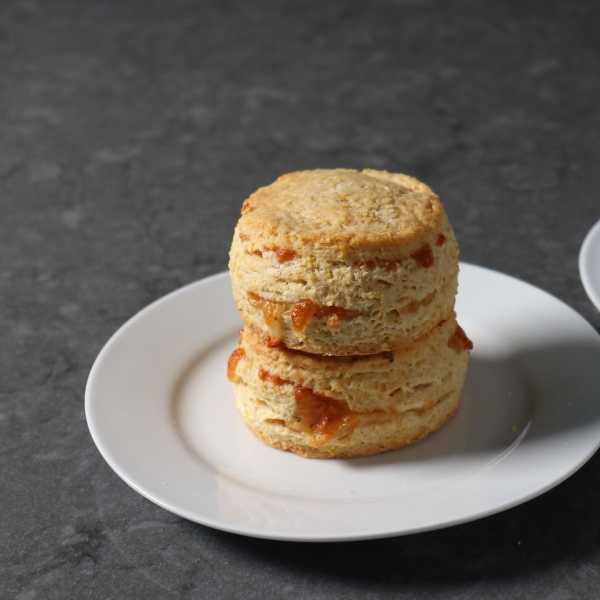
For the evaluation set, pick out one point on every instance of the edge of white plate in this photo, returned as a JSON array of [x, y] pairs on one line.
[[584, 264]]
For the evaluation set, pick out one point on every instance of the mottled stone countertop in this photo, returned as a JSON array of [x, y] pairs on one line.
[[130, 133]]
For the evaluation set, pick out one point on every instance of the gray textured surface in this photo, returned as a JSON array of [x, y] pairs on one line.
[[130, 133]]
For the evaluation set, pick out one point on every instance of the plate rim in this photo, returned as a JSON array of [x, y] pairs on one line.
[[584, 264], [106, 453]]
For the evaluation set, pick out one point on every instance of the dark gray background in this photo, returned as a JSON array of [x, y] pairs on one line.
[[130, 133]]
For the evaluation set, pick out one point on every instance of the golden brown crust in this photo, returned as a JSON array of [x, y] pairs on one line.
[[310, 452], [362, 405], [369, 446], [362, 248], [402, 379], [339, 366], [346, 281], [342, 207]]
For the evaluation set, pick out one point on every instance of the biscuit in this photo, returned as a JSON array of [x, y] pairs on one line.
[[342, 262], [338, 407]]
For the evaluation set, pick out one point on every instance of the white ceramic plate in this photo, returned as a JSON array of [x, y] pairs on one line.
[[589, 264], [162, 414]]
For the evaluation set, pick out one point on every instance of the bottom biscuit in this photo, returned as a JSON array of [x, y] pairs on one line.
[[372, 433], [344, 406]]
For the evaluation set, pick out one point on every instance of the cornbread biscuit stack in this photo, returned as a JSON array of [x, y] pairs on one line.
[[346, 281]]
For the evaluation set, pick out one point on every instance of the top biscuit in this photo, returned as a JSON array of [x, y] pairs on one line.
[[341, 211], [341, 262]]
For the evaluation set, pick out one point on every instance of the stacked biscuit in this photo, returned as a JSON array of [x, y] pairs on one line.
[[346, 281]]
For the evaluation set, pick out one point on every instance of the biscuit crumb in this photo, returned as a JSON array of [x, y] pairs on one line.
[[514, 428], [352, 491]]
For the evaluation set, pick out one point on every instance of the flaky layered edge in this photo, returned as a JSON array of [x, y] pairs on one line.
[[366, 439], [349, 406], [353, 308]]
